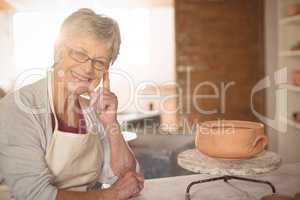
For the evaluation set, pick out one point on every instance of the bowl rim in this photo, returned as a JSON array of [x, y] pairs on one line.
[[232, 124]]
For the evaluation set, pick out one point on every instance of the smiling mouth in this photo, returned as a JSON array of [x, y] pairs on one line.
[[79, 77]]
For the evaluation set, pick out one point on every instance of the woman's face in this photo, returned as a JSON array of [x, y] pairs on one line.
[[80, 64]]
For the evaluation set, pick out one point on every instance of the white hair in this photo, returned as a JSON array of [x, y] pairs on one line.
[[86, 21]]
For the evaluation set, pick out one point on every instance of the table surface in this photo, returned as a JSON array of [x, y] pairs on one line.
[[286, 180]]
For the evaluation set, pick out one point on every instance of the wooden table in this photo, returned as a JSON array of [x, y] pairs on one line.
[[286, 180]]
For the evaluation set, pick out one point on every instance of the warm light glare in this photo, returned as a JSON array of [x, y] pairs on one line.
[[146, 54], [35, 34]]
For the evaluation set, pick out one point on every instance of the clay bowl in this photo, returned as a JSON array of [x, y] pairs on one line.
[[277, 197], [295, 47], [297, 196], [296, 77], [297, 117], [230, 139], [293, 10]]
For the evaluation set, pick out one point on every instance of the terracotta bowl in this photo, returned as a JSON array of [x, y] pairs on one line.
[[229, 139], [296, 77], [293, 10], [295, 47], [297, 196], [297, 117]]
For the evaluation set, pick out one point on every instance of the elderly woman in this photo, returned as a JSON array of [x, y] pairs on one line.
[[57, 145]]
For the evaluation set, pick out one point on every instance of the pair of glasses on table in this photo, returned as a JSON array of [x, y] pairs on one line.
[[81, 57]]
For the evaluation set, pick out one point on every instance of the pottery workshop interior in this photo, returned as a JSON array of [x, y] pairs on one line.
[[150, 99]]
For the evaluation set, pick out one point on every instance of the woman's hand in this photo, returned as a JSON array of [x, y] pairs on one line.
[[105, 103], [129, 185]]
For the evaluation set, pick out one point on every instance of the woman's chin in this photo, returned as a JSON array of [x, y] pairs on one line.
[[78, 89]]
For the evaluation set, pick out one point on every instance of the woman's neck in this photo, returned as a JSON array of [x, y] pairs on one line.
[[66, 104]]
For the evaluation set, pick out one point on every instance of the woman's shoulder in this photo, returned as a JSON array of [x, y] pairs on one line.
[[27, 105], [19, 114], [30, 97]]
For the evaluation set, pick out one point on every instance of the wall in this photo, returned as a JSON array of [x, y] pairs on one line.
[[6, 50], [220, 41], [271, 51], [159, 66]]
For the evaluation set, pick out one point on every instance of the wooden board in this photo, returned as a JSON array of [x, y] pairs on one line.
[[197, 162]]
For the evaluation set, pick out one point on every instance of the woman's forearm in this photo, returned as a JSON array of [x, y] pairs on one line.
[[105, 194], [122, 158]]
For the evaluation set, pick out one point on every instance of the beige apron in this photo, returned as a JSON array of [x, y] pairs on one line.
[[74, 159]]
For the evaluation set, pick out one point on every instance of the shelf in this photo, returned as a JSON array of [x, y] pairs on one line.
[[294, 20], [290, 87], [289, 53]]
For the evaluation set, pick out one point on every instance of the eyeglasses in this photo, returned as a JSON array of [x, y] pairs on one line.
[[81, 57]]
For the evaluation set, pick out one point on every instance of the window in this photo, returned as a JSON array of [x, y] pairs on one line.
[[35, 33], [146, 54]]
